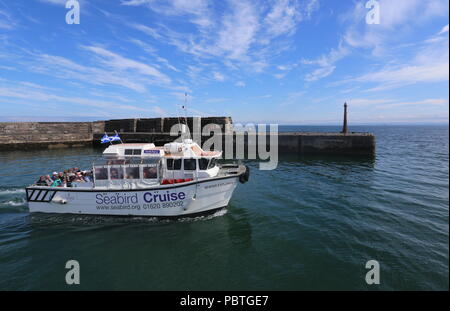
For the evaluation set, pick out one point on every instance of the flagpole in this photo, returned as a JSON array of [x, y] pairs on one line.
[[109, 139], [119, 137]]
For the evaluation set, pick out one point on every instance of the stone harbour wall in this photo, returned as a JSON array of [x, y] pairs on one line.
[[33, 135], [38, 135]]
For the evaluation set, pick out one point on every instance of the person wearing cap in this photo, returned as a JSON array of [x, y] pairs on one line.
[[55, 176]]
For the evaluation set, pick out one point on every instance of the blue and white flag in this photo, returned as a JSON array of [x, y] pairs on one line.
[[105, 139], [115, 138]]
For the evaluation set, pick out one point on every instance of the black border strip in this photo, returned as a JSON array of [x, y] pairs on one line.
[[45, 194], [52, 196], [39, 197], [31, 195], [35, 196]]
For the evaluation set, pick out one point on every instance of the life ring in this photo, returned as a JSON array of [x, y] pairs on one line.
[[243, 178]]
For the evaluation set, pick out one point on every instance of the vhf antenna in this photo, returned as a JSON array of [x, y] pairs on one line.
[[185, 114]]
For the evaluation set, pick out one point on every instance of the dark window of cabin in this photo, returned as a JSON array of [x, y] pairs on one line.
[[128, 151], [212, 163], [189, 164], [132, 172], [137, 151], [101, 173], [115, 173], [169, 164], [150, 172], [173, 164], [177, 164], [203, 164]]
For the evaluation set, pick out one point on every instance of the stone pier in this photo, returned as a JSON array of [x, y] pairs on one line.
[[49, 135]]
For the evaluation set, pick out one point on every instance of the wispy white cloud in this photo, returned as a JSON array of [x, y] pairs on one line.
[[118, 62], [245, 33], [396, 19], [326, 63], [282, 18], [64, 68], [366, 102], [55, 2], [7, 22], [443, 30], [197, 9], [33, 95], [429, 64], [425, 102], [219, 76], [293, 98], [109, 68]]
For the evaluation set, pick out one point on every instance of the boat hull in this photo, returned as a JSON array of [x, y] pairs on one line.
[[184, 199]]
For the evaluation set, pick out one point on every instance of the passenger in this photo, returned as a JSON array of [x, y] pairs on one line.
[[150, 172], [79, 177], [41, 181], [89, 176], [86, 176], [57, 183], [114, 173], [70, 172], [48, 180], [69, 180], [55, 176]]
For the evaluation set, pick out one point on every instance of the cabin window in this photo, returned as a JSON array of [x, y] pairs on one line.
[[101, 173], [173, 164], [132, 172], [115, 173], [133, 151], [203, 164], [169, 163], [149, 172], [190, 164], [212, 163], [177, 164]]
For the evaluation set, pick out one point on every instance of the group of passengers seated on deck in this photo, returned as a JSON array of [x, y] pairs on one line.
[[65, 179]]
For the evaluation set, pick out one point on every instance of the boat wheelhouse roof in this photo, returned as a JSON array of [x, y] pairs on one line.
[[133, 150], [185, 149]]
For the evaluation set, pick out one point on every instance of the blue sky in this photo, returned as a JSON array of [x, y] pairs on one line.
[[283, 61]]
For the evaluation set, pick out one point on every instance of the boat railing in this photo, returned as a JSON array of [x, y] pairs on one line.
[[126, 176]]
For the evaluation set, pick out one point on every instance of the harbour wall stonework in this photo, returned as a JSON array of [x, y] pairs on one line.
[[51, 135]]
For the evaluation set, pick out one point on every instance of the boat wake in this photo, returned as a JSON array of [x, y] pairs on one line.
[[19, 202], [4, 192], [12, 200]]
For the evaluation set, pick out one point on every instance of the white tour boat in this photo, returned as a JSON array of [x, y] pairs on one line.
[[179, 179]]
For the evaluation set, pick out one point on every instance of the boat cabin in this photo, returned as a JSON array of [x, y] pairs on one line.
[[133, 166]]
